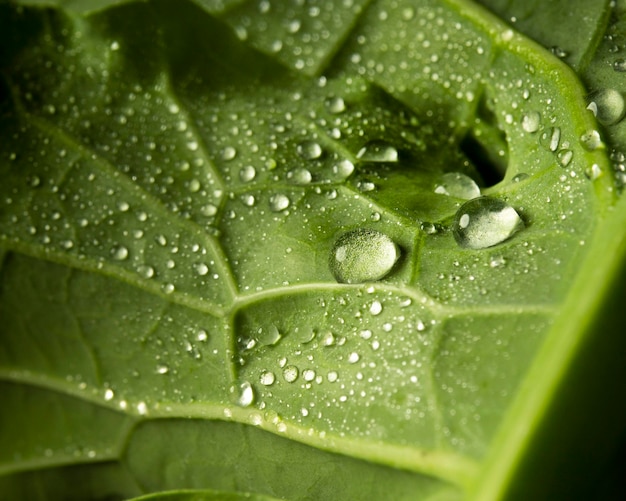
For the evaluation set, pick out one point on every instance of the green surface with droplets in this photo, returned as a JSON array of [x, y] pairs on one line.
[[171, 188]]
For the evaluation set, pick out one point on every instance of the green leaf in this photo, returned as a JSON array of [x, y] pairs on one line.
[[202, 496], [176, 179]]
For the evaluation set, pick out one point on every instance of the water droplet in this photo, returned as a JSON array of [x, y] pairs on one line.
[[267, 378], [457, 185], [376, 307], [290, 373], [33, 181], [378, 151], [519, 177], [245, 394], [531, 122], [353, 358], [247, 173], [608, 106], [335, 104], [162, 369], [119, 252], [279, 202], [619, 65], [309, 150], [593, 172], [208, 210], [308, 375], [565, 157], [362, 255], [343, 169], [229, 153], [591, 140], [550, 138], [108, 394], [268, 336], [484, 222], [145, 271], [300, 176]]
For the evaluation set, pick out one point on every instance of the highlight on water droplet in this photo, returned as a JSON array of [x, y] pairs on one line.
[[484, 222], [362, 255], [378, 151], [309, 150], [456, 184], [245, 394]]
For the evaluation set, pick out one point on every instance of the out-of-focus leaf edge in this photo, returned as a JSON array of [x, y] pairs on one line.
[[570, 412], [202, 495]]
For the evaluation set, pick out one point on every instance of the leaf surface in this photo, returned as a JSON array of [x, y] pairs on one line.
[[172, 189]]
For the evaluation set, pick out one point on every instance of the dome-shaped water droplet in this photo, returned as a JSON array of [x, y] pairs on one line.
[[290, 373], [565, 156], [245, 394], [457, 185], [335, 104], [300, 176], [619, 65], [119, 252], [309, 150], [229, 153], [247, 173], [550, 138], [279, 202], [591, 140], [362, 255], [268, 336], [344, 168], [267, 378], [484, 222], [378, 151], [531, 121]]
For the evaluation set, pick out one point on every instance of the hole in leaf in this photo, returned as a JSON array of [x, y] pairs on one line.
[[485, 145]]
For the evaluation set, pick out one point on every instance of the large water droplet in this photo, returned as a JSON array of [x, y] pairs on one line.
[[335, 104], [550, 138], [268, 336], [484, 222], [362, 255], [247, 173], [300, 176], [279, 202], [457, 185], [344, 168], [591, 140], [378, 151]]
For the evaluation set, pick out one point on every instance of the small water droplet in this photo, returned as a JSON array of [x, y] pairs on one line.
[[457, 185], [591, 140], [593, 172], [619, 65], [308, 375], [268, 336], [309, 150], [109, 394], [162, 369], [300, 176], [247, 173], [362, 255], [376, 307], [484, 222], [290, 373], [378, 151], [531, 121], [119, 253], [145, 271], [343, 169], [519, 177], [245, 394], [34, 181], [335, 105], [267, 378], [279, 202], [565, 156], [229, 153], [353, 358], [550, 138]]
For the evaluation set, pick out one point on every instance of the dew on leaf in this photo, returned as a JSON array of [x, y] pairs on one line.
[[119, 253], [484, 222], [565, 156], [245, 394], [268, 336], [279, 202], [619, 65], [109, 394], [456, 184], [290, 373], [362, 255], [308, 375], [376, 307], [229, 153], [378, 151], [309, 150], [550, 138], [300, 176], [608, 106], [591, 140], [531, 121], [267, 378], [593, 172], [247, 173], [145, 271], [335, 104], [343, 168]]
